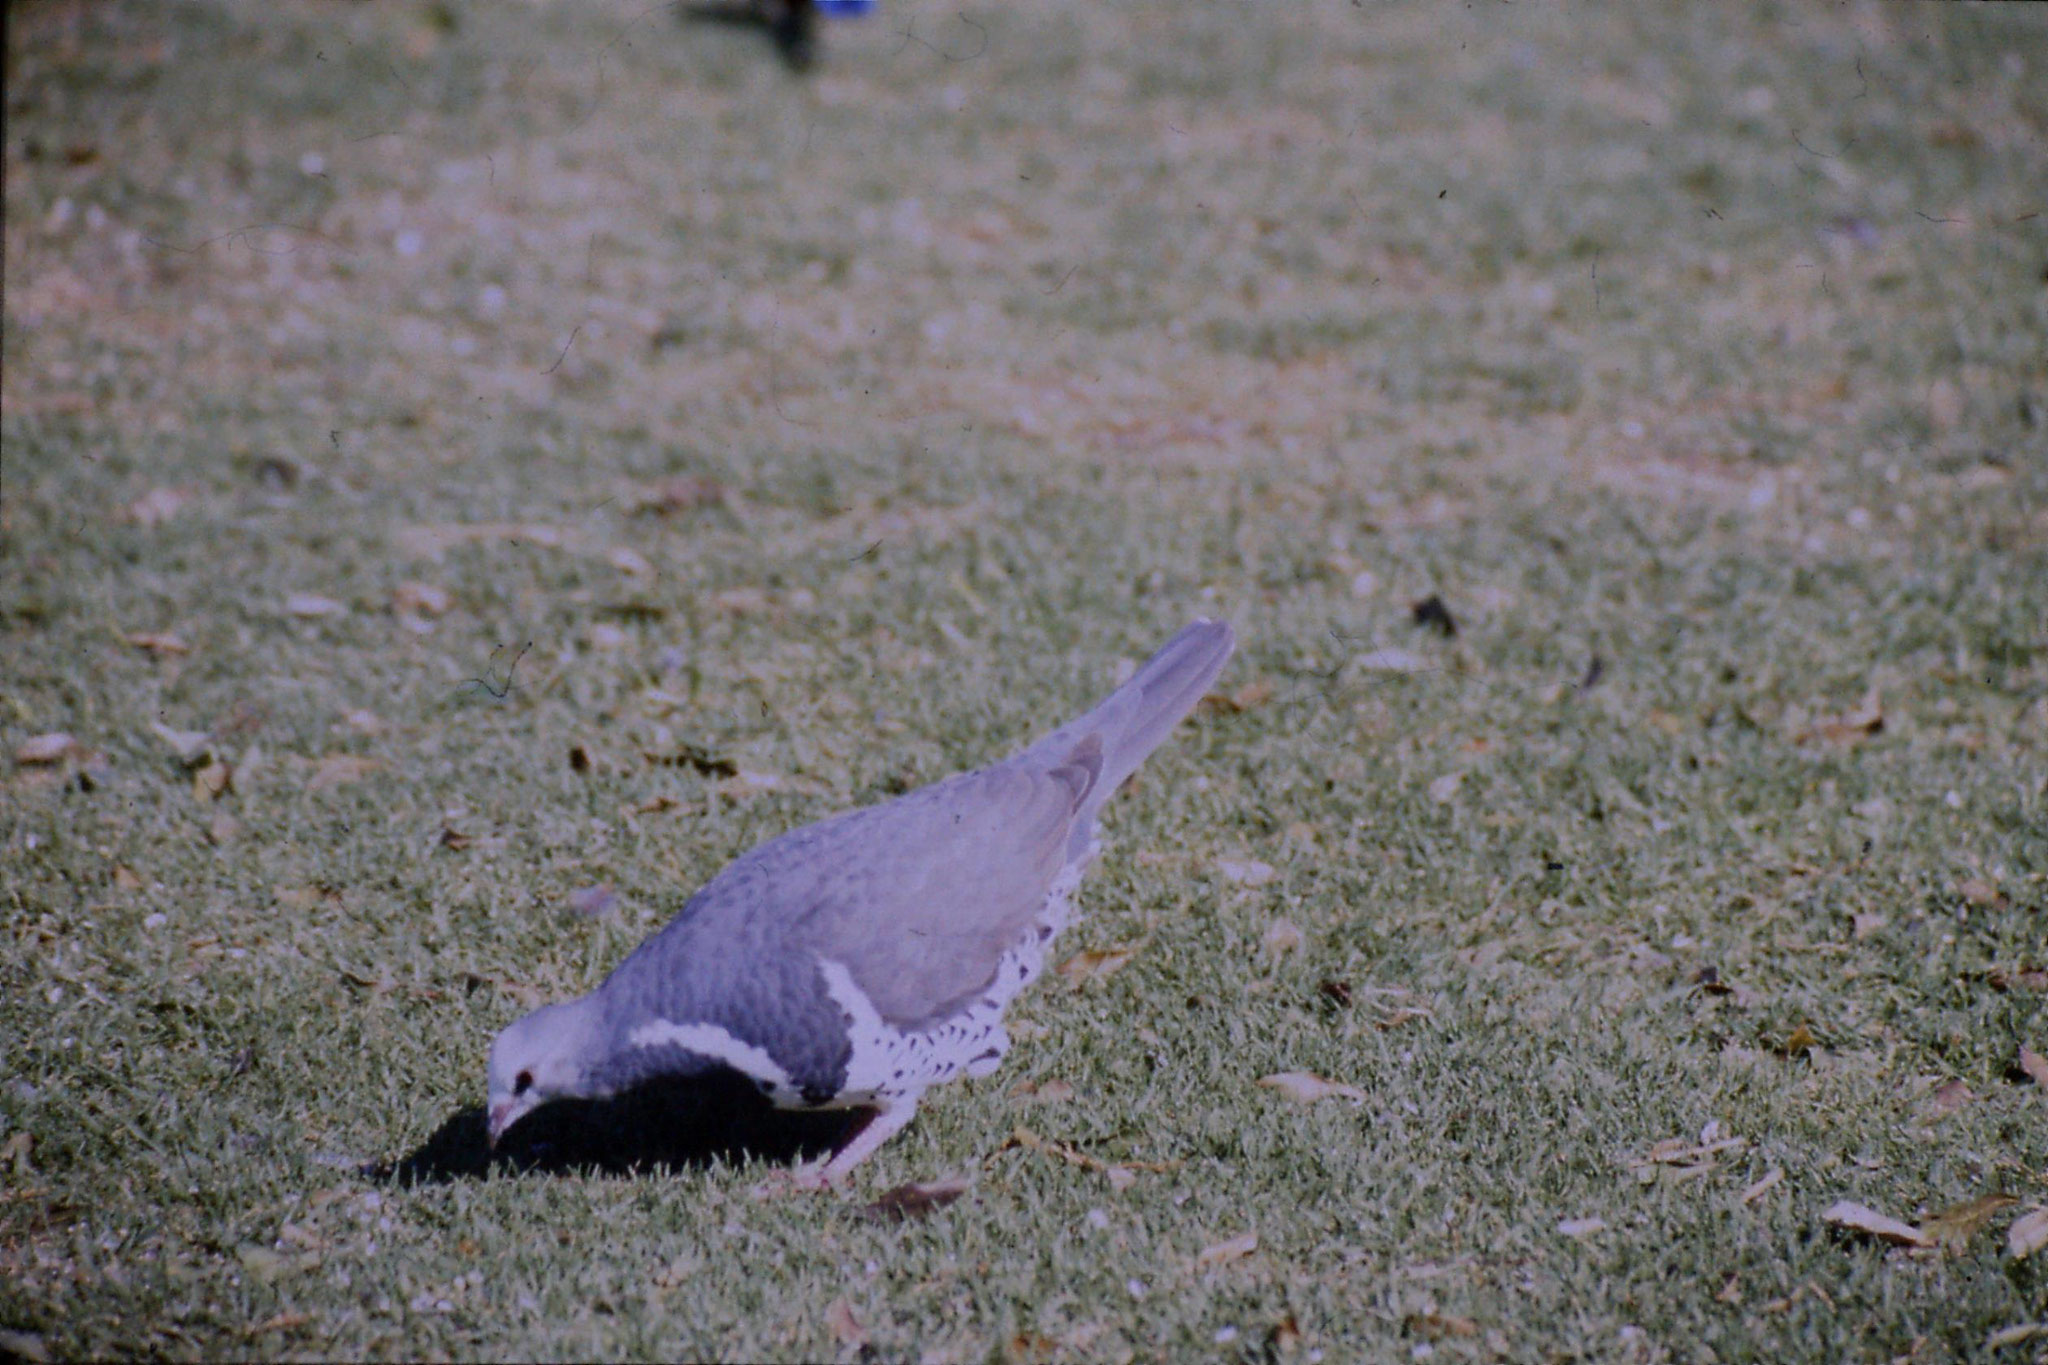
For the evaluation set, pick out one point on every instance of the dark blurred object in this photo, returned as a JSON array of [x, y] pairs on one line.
[[793, 24], [1432, 612]]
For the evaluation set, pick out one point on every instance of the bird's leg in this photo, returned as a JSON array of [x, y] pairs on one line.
[[884, 1121]]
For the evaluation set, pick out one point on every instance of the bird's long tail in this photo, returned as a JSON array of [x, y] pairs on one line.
[[1136, 718]]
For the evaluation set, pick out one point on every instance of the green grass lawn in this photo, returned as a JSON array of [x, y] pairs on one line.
[[826, 436]]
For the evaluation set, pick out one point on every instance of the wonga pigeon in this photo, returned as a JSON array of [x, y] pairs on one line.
[[856, 962]]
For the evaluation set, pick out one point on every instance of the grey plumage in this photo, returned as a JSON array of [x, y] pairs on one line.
[[857, 960]]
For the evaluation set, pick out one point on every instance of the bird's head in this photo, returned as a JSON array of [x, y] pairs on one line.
[[537, 1059]]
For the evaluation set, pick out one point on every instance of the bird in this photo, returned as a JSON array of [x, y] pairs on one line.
[[856, 962]]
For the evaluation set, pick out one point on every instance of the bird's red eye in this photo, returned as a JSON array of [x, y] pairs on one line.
[[523, 1084]]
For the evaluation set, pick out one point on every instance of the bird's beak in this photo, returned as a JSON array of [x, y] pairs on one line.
[[502, 1118]]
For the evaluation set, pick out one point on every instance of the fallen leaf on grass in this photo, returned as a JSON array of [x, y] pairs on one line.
[[2004, 1336], [309, 606], [1582, 1227], [1950, 1096], [1119, 1172], [1771, 1180], [1096, 963], [628, 561], [1244, 699], [677, 1272], [211, 782], [15, 1154], [1250, 872], [282, 1322], [1800, 1040], [339, 769], [191, 746], [1437, 1325], [1977, 891], [1304, 1088], [1853, 726], [2035, 1065], [1953, 1227], [915, 1200], [158, 642], [420, 599], [27, 1345], [1282, 937], [2017, 978], [157, 506], [48, 748], [2028, 1234], [1224, 1252], [844, 1325], [1857, 1218]]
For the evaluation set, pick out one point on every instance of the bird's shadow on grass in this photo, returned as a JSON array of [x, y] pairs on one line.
[[667, 1125]]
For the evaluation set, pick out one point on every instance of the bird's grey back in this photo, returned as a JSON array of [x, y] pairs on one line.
[[918, 898]]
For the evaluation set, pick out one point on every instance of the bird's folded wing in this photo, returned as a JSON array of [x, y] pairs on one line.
[[928, 892]]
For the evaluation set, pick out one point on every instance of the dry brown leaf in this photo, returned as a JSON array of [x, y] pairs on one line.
[[337, 770], [158, 642], [628, 561], [1857, 1218], [309, 605], [45, 748], [15, 1152], [211, 782], [1224, 1252], [1244, 699], [192, 747], [420, 599], [1801, 1040], [1304, 1088], [916, 1200], [157, 506], [2035, 1065], [1977, 891], [1025, 1138], [1771, 1180], [1950, 1096], [1437, 1325], [1282, 937], [2015, 1334], [1249, 872], [677, 1272], [1953, 1227], [125, 878], [2024, 978], [1096, 963], [1853, 726], [2028, 1234], [844, 1325]]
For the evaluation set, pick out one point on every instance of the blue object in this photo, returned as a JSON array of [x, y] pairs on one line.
[[845, 9]]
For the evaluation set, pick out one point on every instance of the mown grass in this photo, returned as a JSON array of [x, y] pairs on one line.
[[1708, 346]]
